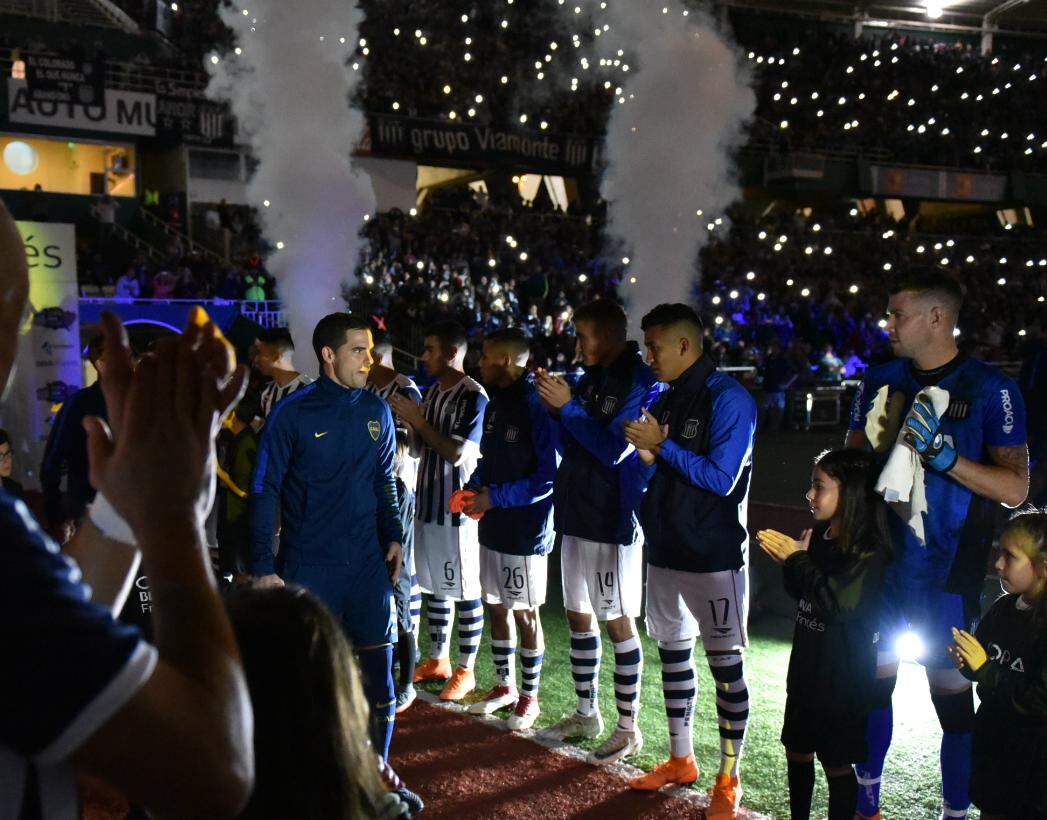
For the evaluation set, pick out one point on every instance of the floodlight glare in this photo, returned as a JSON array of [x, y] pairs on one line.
[[909, 647]]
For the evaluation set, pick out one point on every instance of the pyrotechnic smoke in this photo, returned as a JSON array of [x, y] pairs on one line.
[[668, 145], [289, 82]]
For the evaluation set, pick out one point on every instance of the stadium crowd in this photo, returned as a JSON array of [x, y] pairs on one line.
[[536, 67], [813, 278], [817, 278], [917, 101]]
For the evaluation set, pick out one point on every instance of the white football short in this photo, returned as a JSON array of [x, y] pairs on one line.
[[605, 580], [447, 559], [712, 605], [514, 581]]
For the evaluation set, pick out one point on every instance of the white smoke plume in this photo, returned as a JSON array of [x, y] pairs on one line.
[[668, 145], [289, 82]]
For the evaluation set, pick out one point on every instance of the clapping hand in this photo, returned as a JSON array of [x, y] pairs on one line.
[[154, 459], [967, 651], [407, 411], [552, 390], [646, 435], [780, 546]]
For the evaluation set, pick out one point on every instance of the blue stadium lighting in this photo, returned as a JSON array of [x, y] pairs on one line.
[[155, 322]]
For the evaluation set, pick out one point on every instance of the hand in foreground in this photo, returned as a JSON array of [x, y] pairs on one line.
[[407, 411], [552, 390], [966, 651], [267, 581], [211, 350], [780, 546], [646, 433], [394, 560], [154, 460]]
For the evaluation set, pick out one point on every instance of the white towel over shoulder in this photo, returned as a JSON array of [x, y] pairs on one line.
[[902, 481]]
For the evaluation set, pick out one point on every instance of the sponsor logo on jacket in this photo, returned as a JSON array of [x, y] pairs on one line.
[[1008, 411], [1004, 657], [805, 617]]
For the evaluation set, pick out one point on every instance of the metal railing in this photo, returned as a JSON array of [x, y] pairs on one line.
[[268, 314], [137, 242], [126, 76], [156, 222]]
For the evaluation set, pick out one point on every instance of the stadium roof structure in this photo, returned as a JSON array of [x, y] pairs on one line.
[[1017, 17]]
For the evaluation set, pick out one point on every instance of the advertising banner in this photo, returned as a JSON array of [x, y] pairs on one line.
[[936, 183], [64, 79], [447, 143], [48, 367], [183, 114], [120, 112]]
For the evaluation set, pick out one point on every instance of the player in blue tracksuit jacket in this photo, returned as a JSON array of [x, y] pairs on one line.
[[975, 457], [514, 490], [595, 497], [326, 464], [698, 439]]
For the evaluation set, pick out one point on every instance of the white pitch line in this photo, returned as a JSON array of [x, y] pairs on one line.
[[700, 799]]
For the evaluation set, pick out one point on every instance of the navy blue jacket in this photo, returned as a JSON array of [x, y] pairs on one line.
[[518, 466], [598, 486], [694, 511], [326, 463], [66, 452]]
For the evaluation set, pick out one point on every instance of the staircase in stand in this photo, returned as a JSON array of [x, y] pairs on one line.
[[139, 244], [157, 224]]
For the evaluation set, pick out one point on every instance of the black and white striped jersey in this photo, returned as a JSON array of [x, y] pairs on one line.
[[402, 384], [407, 467], [273, 393], [457, 412]]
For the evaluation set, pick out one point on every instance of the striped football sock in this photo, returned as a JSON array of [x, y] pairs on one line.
[[504, 667], [679, 685], [531, 670], [470, 630], [585, 669], [439, 610], [416, 605], [628, 666], [732, 708]]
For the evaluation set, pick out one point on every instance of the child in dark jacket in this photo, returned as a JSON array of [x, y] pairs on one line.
[[835, 572], [1007, 658]]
